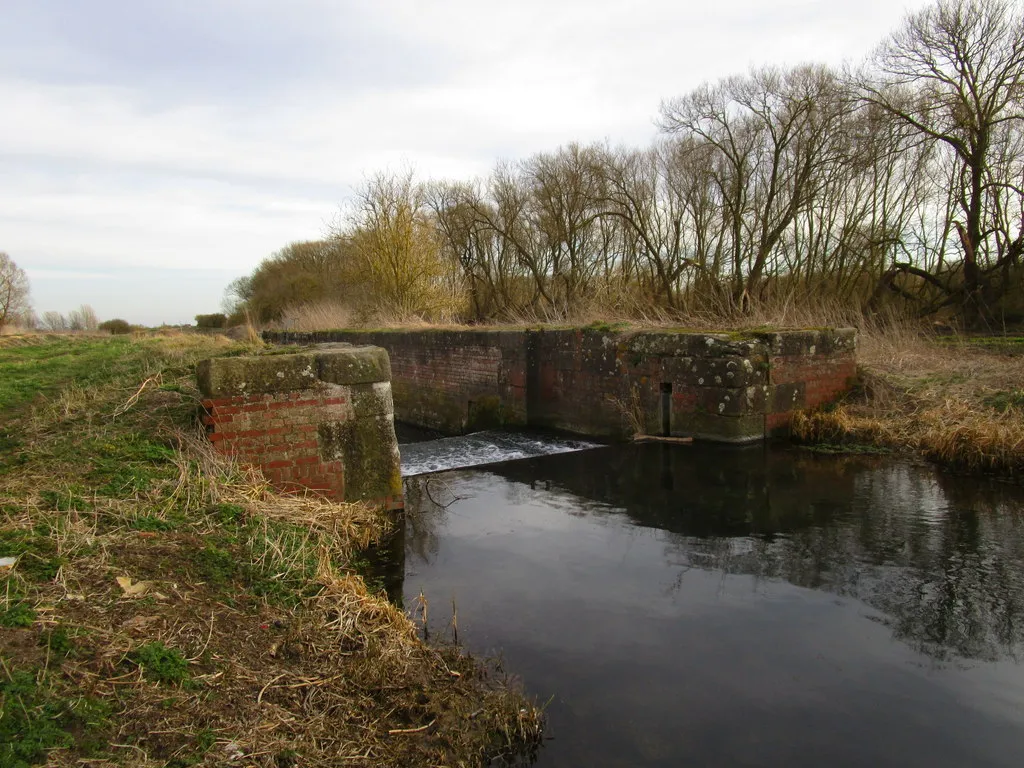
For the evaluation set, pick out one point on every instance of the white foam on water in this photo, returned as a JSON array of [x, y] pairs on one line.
[[482, 448]]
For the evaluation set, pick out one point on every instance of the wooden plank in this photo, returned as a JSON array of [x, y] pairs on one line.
[[657, 439]]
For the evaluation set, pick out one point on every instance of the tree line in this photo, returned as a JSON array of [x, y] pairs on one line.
[[16, 307], [898, 183]]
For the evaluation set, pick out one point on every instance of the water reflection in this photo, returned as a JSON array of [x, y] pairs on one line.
[[941, 557], [721, 606]]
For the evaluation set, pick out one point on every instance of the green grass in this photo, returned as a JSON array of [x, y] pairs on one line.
[[36, 717], [216, 566], [154, 524], [58, 642], [102, 478], [37, 555], [29, 724], [161, 664], [1007, 344], [129, 463], [1005, 400], [17, 615], [26, 372]]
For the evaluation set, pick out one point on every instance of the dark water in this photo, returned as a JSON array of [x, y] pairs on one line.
[[703, 606]]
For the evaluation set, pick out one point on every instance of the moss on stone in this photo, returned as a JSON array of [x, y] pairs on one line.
[[274, 373], [485, 413], [353, 365], [430, 407], [726, 429], [368, 450], [372, 399], [234, 376]]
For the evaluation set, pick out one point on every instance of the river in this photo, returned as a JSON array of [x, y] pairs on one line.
[[704, 605]]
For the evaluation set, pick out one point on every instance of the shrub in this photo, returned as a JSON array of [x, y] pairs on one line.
[[116, 326], [216, 320]]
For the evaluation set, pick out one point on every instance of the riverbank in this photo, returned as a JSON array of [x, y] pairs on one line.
[[958, 401], [164, 607]]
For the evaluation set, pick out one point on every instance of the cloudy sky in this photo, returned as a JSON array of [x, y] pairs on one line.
[[152, 151]]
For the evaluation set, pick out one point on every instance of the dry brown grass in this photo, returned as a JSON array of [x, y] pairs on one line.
[[319, 316], [623, 310], [289, 659], [947, 398]]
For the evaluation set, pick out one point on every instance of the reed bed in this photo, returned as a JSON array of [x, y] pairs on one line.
[[951, 399]]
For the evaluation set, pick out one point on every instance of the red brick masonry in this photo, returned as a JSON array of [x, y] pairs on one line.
[[331, 438], [724, 387]]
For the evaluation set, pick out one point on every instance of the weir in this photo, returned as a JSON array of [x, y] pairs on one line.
[[724, 387], [483, 448]]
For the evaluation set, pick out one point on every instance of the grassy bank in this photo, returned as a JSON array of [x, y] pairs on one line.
[[956, 400], [167, 608]]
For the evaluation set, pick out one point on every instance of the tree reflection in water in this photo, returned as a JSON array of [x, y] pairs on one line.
[[939, 557]]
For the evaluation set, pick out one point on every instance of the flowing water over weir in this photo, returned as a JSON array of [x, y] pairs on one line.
[[481, 448], [714, 606]]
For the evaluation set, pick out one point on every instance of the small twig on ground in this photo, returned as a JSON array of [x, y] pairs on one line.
[[131, 401], [402, 731]]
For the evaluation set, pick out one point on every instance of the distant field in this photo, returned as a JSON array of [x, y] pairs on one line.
[[1010, 344]]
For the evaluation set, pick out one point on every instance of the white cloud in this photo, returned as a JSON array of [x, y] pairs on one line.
[[204, 136]]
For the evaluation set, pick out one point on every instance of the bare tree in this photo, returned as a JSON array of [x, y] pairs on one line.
[[902, 183], [564, 190], [397, 250], [774, 133], [54, 321], [955, 73], [14, 291], [83, 319], [471, 244]]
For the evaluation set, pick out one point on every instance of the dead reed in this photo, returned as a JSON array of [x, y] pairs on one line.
[[947, 398]]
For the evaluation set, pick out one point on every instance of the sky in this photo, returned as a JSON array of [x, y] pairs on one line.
[[152, 151]]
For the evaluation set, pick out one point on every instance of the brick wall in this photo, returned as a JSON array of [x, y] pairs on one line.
[[454, 381], [278, 433], [808, 369], [318, 421], [733, 388]]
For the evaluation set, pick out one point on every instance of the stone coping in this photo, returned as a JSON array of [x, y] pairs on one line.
[[309, 369]]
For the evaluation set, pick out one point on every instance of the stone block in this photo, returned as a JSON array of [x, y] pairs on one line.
[[728, 371], [266, 374], [722, 429], [721, 401], [822, 341], [339, 364], [368, 452], [320, 420]]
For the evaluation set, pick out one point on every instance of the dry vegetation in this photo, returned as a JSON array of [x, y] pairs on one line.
[[166, 607], [953, 399]]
